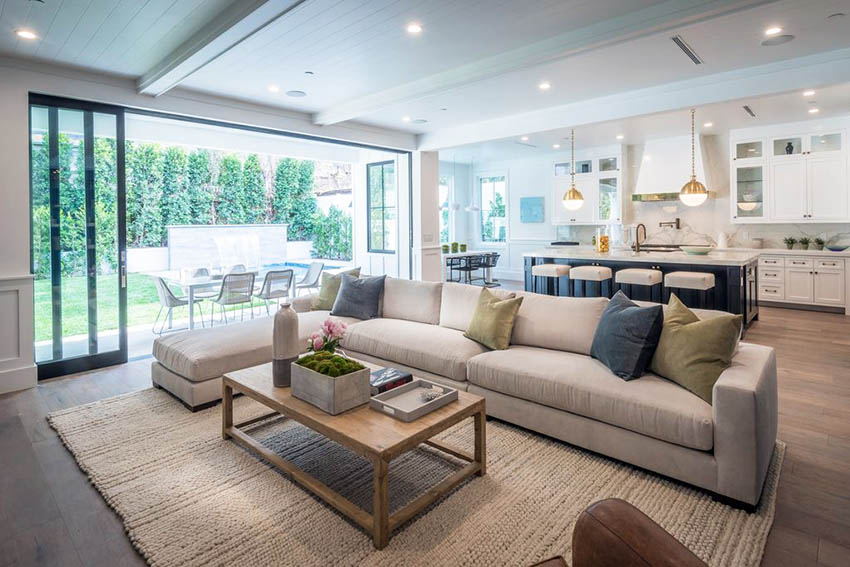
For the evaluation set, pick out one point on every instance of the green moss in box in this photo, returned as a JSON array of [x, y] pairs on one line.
[[329, 364]]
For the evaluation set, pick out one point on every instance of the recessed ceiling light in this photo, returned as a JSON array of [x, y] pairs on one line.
[[544, 86], [775, 30], [274, 89], [777, 40], [26, 34], [524, 138], [418, 121], [814, 110], [405, 118], [809, 93], [751, 149], [296, 94], [414, 28], [708, 125], [620, 136], [556, 146]]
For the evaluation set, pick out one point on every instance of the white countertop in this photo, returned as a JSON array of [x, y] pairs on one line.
[[726, 257], [796, 252]]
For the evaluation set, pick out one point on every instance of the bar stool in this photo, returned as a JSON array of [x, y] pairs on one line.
[[584, 275], [700, 282], [551, 272], [642, 277]]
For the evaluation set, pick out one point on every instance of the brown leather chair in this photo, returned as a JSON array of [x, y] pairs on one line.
[[613, 533]]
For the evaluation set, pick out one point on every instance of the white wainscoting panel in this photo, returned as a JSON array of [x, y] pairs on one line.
[[17, 369]]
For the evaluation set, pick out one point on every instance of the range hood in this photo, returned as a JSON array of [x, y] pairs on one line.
[[662, 166]]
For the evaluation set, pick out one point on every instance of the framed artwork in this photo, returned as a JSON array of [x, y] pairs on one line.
[[530, 209]]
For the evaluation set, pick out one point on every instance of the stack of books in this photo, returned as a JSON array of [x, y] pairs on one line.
[[388, 378]]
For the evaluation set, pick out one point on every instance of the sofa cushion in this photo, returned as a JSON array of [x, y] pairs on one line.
[[493, 320], [412, 300], [626, 336], [359, 297], [330, 288], [436, 349], [459, 301], [578, 384], [204, 354], [559, 323]]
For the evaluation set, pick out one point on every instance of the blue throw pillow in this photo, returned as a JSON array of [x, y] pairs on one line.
[[359, 297], [626, 337]]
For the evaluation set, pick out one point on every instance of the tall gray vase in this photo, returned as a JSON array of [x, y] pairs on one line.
[[285, 345]]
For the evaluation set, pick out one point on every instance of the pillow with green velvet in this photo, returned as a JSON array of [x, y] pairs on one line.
[[330, 288], [692, 352], [493, 320]]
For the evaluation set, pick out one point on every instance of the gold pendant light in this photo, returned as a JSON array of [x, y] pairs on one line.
[[693, 192], [573, 199]]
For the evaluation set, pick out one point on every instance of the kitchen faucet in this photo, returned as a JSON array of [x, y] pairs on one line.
[[674, 223], [637, 236]]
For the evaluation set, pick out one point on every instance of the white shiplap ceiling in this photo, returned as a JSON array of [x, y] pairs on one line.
[[476, 62]]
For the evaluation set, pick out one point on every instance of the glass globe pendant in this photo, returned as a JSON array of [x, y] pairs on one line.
[[693, 192]]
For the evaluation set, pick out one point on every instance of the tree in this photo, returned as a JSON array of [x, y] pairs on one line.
[[106, 200], [253, 191], [144, 195], [175, 197], [285, 189], [198, 187], [332, 239], [496, 211], [229, 209]]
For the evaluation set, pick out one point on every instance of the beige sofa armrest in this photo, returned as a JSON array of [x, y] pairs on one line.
[[745, 422], [304, 303]]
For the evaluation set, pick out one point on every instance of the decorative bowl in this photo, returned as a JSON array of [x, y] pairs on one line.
[[834, 248], [696, 250]]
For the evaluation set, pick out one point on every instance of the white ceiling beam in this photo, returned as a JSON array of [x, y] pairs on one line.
[[654, 19], [231, 27], [812, 71]]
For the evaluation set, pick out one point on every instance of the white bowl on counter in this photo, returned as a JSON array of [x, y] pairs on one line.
[[696, 250]]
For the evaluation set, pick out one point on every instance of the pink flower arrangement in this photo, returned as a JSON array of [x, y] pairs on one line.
[[328, 336]]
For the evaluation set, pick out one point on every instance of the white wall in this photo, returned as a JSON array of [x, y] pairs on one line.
[[460, 175], [17, 79]]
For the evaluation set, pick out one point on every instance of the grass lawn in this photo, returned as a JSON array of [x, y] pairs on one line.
[[142, 305]]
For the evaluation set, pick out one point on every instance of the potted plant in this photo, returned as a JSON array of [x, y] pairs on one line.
[[332, 382], [804, 242], [819, 242], [789, 241], [454, 247]]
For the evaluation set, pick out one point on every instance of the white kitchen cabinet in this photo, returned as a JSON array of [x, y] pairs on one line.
[[806, 175], [827, 184], [587, 214], [799, 284], [788, 197], [829, 282]]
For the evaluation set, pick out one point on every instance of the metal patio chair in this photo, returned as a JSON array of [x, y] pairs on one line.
[[167, 300], [311, 278], [276, 285], [236, 289]]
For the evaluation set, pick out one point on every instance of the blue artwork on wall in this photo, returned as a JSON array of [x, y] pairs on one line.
[[531, 209]]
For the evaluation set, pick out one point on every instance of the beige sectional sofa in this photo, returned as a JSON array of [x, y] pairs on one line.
[[546, 381]]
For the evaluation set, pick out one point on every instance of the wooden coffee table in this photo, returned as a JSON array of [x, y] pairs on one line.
[[365, 431]]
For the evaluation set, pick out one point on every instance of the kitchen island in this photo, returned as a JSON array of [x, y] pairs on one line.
[[735, 273]]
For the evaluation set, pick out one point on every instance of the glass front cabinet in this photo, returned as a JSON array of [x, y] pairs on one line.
[[796, 176], [599, 179]]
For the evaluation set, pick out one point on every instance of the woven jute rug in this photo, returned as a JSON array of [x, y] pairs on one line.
[[187, 497]]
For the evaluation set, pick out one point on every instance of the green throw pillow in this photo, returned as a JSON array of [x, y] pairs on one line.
[[693, 352], [330, 288], [493, 320]]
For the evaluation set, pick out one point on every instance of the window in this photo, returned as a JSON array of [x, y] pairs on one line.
[[493, 218], [445, 210], [381, 195]]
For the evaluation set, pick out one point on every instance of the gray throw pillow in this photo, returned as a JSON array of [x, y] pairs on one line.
[[626, 337], [359, 297]]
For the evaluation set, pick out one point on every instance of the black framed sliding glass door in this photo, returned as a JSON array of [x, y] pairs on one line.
[[78, 235]]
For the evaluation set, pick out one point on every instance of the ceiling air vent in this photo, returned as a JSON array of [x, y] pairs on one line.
[[749, 110], [680, 43]]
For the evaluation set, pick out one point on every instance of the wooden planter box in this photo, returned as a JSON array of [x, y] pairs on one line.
[[332, 395]]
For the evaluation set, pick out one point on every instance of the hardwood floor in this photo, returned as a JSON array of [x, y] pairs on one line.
[[50, 514]]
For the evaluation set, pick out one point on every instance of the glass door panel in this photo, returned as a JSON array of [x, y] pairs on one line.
[[608, 200], [749, 187], [747, 150], [787, 146], [77, 251], [825, 143]]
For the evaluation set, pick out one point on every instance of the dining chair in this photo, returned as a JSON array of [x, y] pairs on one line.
[[237, 269], [311, 278], [167, 300], [236, 289], [197, 273], [276, 285], [470, 265], [491, 260]]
